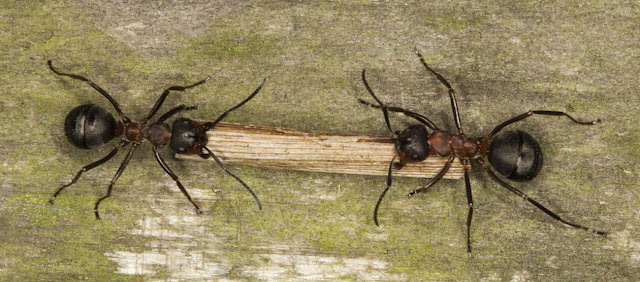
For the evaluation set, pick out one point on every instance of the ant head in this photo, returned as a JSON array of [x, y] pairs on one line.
[[516, 155], [186, 137], [89, 126], [412, 145]]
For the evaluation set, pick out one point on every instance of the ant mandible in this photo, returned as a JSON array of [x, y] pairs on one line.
[[89, 126], [514, 154]]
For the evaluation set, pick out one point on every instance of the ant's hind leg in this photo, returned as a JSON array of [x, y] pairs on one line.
[[538, 205], [89, 167], [547, 113], [95, 86], [123, 165]]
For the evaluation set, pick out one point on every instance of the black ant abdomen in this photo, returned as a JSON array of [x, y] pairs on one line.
[[90, 126], [516, 155]]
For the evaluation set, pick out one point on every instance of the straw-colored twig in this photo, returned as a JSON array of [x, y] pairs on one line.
[[272, 147]]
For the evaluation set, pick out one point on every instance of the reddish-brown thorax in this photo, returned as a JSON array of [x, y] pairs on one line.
[[156, 133], [132, 132], [443, 143]]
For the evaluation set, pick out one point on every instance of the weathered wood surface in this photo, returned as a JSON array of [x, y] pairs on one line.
[[502, 57], [284, 148]]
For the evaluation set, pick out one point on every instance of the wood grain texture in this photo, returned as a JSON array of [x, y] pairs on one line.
[[282, 148], [503, 58]]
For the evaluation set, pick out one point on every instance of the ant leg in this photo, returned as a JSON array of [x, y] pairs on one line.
[[176, 110], [166, 93], [452, 96], [89, 167], [437, 178], [123, 165], [255, 197], [96, 87], [174, 177], [422, 119], [210, 125], [539, 206], [389, 179], [530, 113], [467, 185]]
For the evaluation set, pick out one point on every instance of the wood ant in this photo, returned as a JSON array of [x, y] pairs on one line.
[[88, 126], [514, 154]]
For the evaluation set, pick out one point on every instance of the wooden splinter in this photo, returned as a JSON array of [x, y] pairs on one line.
[[272, 147]]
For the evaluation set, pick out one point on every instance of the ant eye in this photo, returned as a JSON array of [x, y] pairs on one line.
[[415, 156]]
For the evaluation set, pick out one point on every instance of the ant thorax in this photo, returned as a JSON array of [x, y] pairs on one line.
[[132, 132], [157, 133], [443, 143]]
